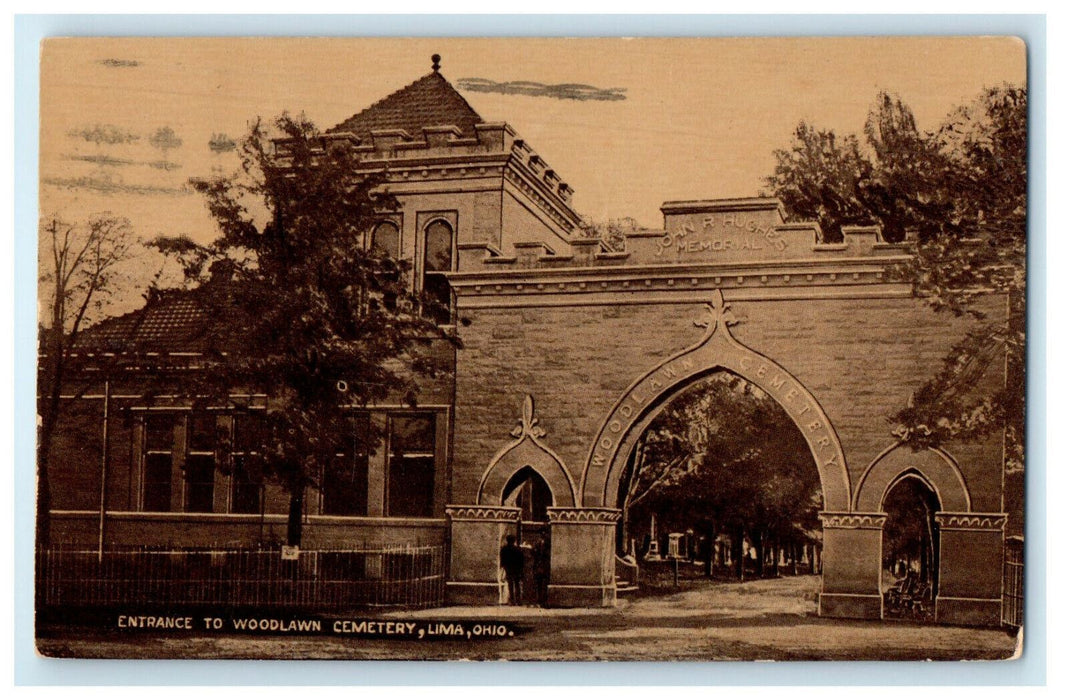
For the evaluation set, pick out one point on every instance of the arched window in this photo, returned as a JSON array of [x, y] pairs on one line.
[[437, 259], [385, 240]]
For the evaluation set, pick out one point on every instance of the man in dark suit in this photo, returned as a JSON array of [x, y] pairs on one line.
[[512, 563]]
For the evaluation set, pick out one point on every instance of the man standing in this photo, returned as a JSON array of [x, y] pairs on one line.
[[512, 563]]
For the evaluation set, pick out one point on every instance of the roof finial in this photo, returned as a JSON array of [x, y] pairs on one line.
[[436, 58]]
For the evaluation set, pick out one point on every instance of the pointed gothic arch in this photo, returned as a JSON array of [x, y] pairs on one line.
[[527, 451], [717, 350], [935, 467]]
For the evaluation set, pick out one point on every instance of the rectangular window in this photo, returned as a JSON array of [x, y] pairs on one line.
[[344, 485], [158, 459], [410, 483], [202, 435], [246, 476]]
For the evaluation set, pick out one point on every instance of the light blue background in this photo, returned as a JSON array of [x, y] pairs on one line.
[[33, 670]]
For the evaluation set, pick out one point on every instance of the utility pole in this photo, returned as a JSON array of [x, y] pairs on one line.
[[104, 458]]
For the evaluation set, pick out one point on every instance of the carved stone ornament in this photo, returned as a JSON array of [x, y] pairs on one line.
[[528, 424], [853, 521], [483, 513], [971, 521], [718, 315], [607, 516], [527, 450]]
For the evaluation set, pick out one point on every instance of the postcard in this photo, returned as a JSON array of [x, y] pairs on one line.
[[532, 349]]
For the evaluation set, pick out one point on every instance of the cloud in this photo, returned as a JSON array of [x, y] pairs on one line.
[[119, 63], [221, 143], [108, 185], [101, 160], [565, 91], [111, 162], [165, 139], [163, 165], [104, 134]]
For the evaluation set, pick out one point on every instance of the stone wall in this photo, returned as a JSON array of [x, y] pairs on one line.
[[860, 358]]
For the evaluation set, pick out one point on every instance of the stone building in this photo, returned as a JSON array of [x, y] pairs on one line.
[[569, 351]]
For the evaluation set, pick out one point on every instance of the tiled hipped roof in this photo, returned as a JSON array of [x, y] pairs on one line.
[[175, 321], [429, 101]]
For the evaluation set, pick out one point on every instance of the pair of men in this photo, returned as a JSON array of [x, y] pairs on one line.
[[512, 561]]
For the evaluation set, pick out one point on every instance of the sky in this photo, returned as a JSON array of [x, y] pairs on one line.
[[700, 119]]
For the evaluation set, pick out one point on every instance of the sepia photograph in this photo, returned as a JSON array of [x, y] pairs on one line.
[[543, 349]]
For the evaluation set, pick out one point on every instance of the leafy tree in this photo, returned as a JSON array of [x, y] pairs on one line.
[[818, 178], [309, 309], [724, 457], [980, 247], [612, 233], [962, 191], [80, 268]]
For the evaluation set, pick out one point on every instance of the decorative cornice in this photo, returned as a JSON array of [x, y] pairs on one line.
[[971, 521], [552, 298], [505, 279], [550, 208], [501, 514], [853, 521], [601, 516], [717, 205]]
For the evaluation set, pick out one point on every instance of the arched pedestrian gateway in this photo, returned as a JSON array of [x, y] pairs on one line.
[[584, 346]]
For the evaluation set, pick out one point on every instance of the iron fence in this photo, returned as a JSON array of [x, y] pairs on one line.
[[326, 579], [1013, 588]]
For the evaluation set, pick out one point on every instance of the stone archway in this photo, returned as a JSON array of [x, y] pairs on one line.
[[717, 350], [850, 589], [477, 531], [937, 468], [970, 544]]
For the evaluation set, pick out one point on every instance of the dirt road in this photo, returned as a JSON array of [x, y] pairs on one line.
[[768, 619]]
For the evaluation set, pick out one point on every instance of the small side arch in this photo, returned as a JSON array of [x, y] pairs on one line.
[[935, 467], [527, 450]]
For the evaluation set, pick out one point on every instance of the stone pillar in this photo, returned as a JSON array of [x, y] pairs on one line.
[[971, 553], [583, 557], [476, 535], [852, 565]]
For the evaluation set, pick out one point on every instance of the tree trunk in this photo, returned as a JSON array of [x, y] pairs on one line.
[[295, 523], [710, 550], [44, 491], [738, 552], [760, 553], [49, 417]]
